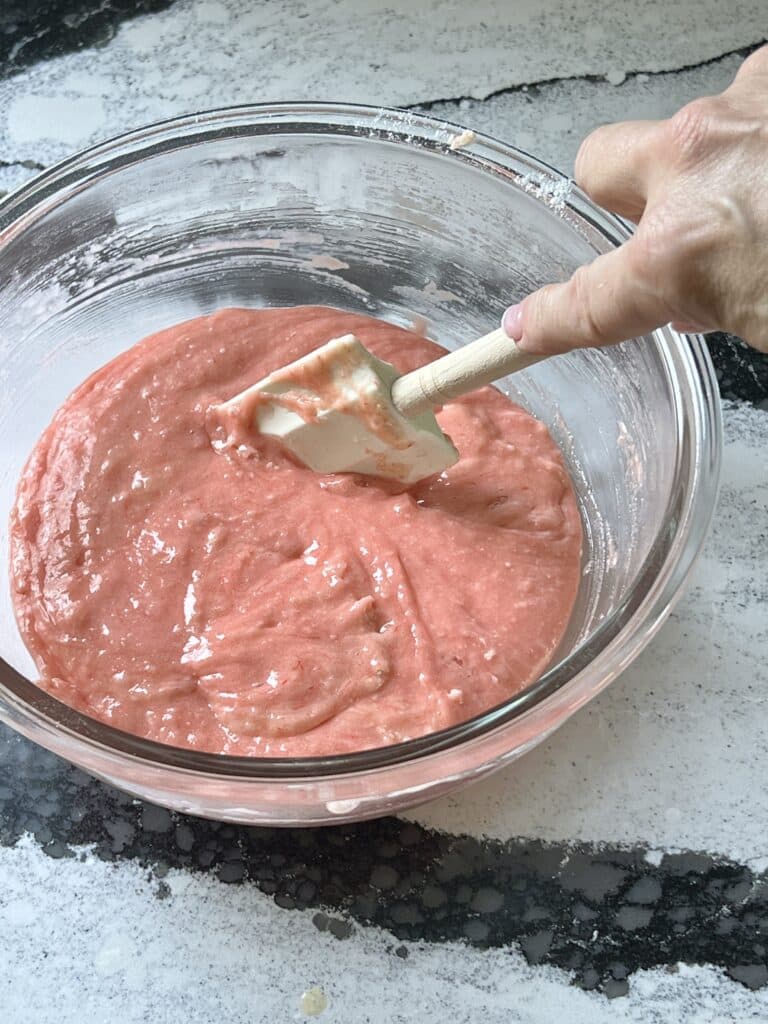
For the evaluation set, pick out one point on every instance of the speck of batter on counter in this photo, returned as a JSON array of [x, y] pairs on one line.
[[465, 138], [313, 1002]]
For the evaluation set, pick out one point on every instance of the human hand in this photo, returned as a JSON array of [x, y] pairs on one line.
[[697, 187]]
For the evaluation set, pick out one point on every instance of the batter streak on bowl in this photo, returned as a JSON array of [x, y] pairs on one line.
[[233, 601]]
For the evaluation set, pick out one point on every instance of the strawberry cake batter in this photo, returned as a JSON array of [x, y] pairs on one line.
[[230, 600]]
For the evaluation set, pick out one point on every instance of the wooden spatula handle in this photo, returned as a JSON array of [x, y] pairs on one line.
[[472, 366]]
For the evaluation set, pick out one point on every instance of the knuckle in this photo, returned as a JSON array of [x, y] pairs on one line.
[[656, 240], [756, 63], [660, 260], [688, 132], [680, 258]]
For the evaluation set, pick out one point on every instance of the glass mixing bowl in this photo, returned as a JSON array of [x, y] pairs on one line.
[[369, 210]]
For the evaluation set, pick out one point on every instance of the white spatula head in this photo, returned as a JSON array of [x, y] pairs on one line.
[[332, 409]]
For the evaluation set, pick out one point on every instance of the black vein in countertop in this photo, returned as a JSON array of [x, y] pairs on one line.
[[599, 912], [742, 372], [534, 86], [35, 30]]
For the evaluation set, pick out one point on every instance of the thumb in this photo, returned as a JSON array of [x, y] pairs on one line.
[[606, 301]]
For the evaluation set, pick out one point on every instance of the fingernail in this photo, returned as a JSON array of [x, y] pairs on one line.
[[512, 322]]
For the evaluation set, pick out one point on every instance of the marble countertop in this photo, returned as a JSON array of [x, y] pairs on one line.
[[618, 872]]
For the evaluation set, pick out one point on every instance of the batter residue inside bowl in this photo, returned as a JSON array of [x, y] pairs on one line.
[[236, 602]]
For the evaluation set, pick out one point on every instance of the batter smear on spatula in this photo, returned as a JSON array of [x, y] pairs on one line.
[[209, 591]]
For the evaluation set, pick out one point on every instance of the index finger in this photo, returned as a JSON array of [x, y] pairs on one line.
[[604, 302]]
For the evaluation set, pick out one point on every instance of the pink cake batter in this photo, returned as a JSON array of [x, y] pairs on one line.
[[234, 601]]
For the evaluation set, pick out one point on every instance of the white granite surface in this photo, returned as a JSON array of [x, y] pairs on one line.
[[211, 53], [674, 754], [210, 953]]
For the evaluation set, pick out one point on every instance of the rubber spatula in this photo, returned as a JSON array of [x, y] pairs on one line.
[[339, 409]]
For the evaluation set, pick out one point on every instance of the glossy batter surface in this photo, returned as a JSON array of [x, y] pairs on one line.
[[231, 600]]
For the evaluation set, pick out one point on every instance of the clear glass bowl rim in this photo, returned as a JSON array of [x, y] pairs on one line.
[[607, 650]]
